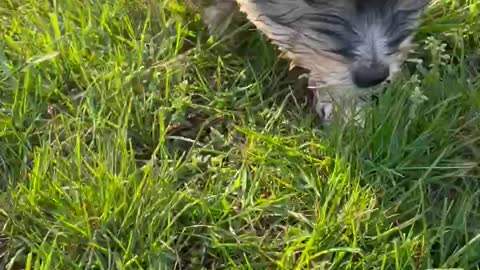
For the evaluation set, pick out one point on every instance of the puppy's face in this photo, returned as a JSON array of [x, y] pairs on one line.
[[346, 44]]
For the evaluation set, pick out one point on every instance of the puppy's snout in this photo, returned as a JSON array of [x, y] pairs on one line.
[[369, 76]]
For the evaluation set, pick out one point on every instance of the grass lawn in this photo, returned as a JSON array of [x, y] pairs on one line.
[[131, 140]]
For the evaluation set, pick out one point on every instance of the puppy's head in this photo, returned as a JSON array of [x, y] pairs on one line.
[[355, 44]]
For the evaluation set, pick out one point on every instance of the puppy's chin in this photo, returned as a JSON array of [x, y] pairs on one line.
[[346, 92]]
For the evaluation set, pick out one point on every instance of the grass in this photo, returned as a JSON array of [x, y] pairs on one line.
[[130, 140]]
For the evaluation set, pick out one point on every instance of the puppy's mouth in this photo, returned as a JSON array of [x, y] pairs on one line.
[[379, 89], [346, 86], [314, 86]]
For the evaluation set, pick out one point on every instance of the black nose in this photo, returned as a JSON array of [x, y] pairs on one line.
[[369, 76]]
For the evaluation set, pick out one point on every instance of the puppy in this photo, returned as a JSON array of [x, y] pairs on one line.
[[350, 47]]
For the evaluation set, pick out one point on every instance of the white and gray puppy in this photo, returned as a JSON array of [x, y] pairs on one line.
[[350, 47]]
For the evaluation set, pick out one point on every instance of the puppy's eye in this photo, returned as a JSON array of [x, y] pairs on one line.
[[335, 36], [391, 52], [340, 41], [399, 38], [344, 52]]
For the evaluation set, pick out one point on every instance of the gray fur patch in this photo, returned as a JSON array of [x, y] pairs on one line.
[[347, 45]]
